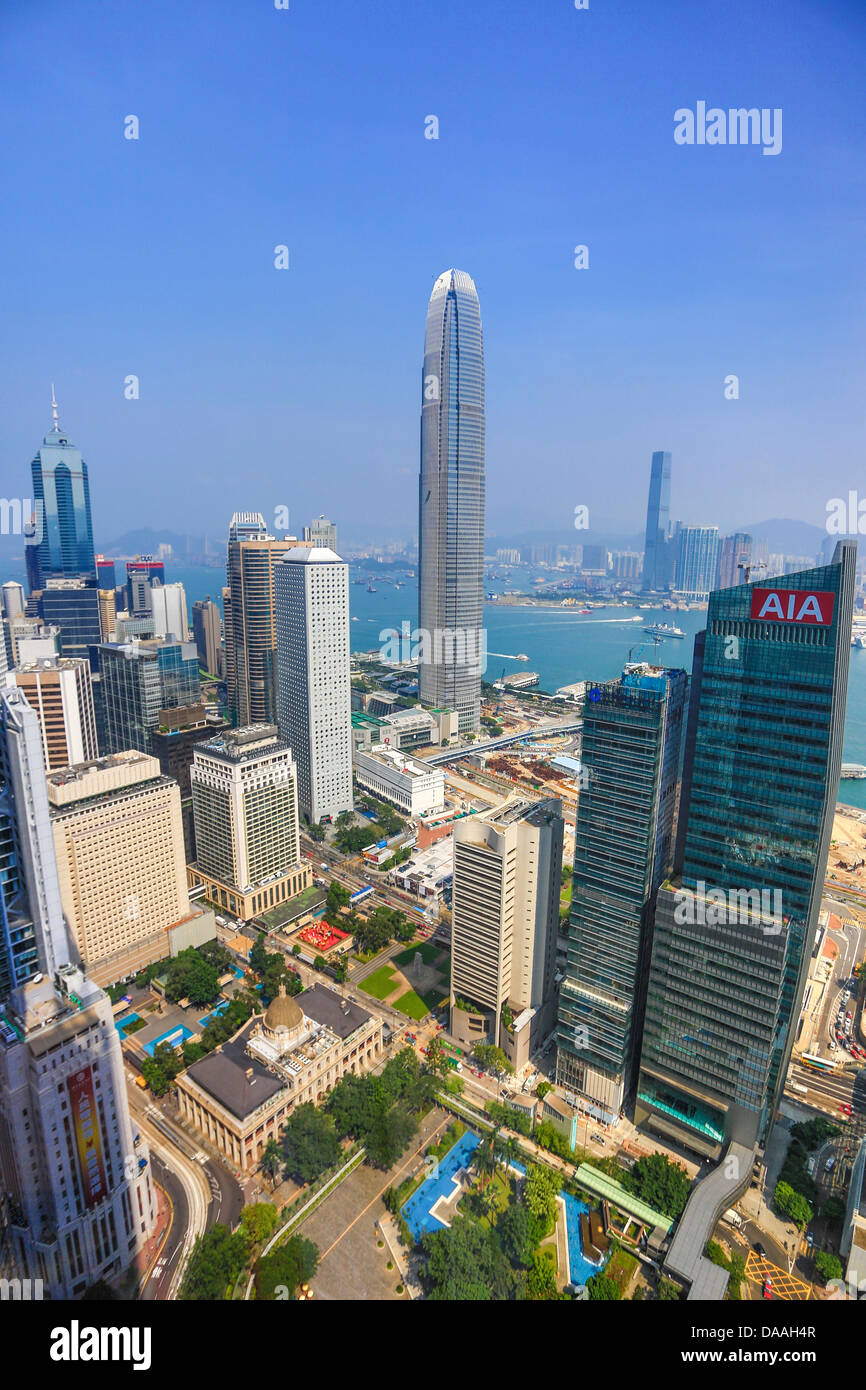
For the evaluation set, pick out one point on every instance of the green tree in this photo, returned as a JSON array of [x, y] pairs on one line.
[[216, 1261], [542, 1089], [792, 1204], [828, 1266], [541, 1281], [669, 1290], [310, 1143], [539, 1192], [390, 1136], [272, 1160], [259, 1221], [280, 1274], [338, 897], [833, 1211], [602, 1289], [661, 1182], [493, 1058], [317, 833], [464, 1263], [519, 1233]]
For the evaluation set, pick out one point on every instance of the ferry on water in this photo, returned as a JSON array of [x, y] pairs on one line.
[[663, 630]]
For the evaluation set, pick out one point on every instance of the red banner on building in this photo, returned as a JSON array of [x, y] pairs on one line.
[[793, 606], [88, 1141]]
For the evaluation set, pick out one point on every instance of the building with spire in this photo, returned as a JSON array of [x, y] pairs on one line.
[[451, 502], [61, 495]]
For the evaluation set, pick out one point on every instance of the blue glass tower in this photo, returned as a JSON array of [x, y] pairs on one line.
[[624, 847], [735, 927], [61, 496], [451, 502]]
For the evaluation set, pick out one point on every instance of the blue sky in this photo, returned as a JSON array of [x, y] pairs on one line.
[[261, 388]]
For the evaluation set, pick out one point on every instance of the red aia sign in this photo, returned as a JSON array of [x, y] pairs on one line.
[[792, 606]]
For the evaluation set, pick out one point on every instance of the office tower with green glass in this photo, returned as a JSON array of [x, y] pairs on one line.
[[624, 843], [735, 926]]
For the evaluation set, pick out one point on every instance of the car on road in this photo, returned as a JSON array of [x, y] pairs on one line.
[[767, 1290], [830, 1164], [846, 1109], [759, 1249]]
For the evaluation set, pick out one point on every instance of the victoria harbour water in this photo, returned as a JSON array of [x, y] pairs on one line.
[[562, 645]]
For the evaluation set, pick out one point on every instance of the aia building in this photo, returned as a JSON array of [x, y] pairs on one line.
[[735, 924]]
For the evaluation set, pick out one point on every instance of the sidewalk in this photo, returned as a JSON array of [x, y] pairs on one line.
[[388, 1227], [147, 1255]]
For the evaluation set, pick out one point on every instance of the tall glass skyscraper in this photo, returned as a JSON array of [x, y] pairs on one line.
[[697, 562], [61, 495], [656, 573], [735, 928], [624, 847], [451, 502]]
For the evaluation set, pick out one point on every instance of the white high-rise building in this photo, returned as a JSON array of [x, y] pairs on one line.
[[505, 912], [311, 601], [169, 611], [79, 1201], [13, 599]]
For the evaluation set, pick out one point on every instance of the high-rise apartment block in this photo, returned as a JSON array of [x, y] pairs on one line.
[[313, 677], [735, 553], [624, 848], [168, 606], [505, 914], [60, 692], [245, 804], [451, 502]]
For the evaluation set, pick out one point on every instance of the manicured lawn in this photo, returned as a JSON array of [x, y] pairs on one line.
[[409, 1004], [285, 912], [381, 983], [434, 998], [621, 1268], [429, 952]]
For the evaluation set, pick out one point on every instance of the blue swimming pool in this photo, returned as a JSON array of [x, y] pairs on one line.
[[214, 1013], [579, 1266], [416, 1212], [175, 1036], [123, 1023]]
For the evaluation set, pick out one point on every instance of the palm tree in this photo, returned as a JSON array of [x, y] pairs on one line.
[[485, 1159], [510, 1150], [272, 1161]]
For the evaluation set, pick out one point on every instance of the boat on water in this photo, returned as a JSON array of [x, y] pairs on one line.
[[521, 656], [371, 587], [858, 639], [664, 630]]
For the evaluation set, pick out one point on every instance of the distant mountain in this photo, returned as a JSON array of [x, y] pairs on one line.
[[787, 537]]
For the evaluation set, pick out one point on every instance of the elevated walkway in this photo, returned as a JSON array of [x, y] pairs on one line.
[[716, 1192]]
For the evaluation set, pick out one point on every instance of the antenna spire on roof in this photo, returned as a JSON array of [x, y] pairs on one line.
[[55, 425]]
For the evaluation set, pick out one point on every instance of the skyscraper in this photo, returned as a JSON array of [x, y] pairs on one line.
[[311, 588], [118, 841], [72, 603], [61, 495], [656, 567], [505, 912], [245, 804], [138, 679], [60, 692], [207, 634], [734, 551], [451, 501], [624, 847], [77, 1181], [250, 626], [735, 927], [321, 531], [168, 605], [697, 562]]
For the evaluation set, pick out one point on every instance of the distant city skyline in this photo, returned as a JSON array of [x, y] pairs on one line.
[[702, 263]]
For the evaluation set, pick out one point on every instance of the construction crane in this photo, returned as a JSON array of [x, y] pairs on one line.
[[635, 651], [750, 565]]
